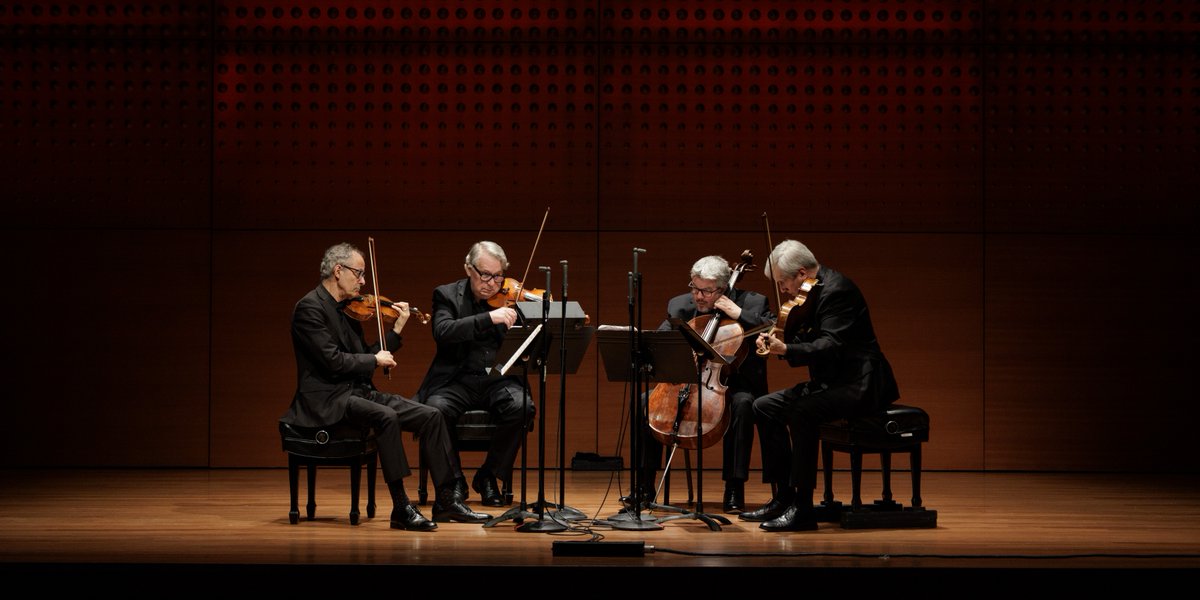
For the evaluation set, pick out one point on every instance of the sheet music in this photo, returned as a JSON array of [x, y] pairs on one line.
[[521, 350], [615, 328]]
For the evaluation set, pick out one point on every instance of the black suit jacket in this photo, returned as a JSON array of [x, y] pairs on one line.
[[456, 328], [332, 360], [751, 374], [836, 340]]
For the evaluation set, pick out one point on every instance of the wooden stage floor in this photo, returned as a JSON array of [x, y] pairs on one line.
[[202, 528]]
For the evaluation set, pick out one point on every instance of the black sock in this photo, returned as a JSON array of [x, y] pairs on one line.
[[785, 494], [399, 496]]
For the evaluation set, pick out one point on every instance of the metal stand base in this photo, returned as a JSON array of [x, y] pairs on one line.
[[632, 521], [517, 513], [543, 524]]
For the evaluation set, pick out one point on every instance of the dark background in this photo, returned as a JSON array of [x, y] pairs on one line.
[[1012, 184]]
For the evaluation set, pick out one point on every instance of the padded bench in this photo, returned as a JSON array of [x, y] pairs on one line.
[[336, 445], [899, 428]]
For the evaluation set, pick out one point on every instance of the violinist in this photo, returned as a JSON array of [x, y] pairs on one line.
[[849, 376], [709, 293], [468, 332], [334, 369]]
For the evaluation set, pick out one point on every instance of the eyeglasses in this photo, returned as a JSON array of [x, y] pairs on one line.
[[486, 277], [358, 273], [704, 293]]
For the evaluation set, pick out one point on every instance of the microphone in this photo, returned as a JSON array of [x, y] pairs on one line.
[[564, 265]]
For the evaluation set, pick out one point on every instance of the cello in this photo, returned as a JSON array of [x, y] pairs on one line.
[[672, 407]]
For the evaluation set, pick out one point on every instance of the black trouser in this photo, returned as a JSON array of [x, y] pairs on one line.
[[390, 415], [509, 406], [789, 424]]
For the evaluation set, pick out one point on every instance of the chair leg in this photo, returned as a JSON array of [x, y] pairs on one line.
[[355, 481], [827, 469], [312, 491], [293, 488], [372, 459], [856, 460], [915, 465], [422, 476], [885, 463]]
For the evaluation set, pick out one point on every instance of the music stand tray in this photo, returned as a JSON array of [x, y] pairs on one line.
[[669, 357]]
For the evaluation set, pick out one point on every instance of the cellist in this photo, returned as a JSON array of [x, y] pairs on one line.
[[831, 334], [709, 293]]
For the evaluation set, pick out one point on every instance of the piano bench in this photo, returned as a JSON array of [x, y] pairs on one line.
[[898, 428]]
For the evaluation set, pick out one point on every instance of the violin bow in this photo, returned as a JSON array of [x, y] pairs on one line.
[[771, 270], [770, 267], [521, 286], [378, 312]]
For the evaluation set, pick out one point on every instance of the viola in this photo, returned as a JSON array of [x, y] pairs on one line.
[[362, 308], [672, 408], [512, 292], [791, 315]]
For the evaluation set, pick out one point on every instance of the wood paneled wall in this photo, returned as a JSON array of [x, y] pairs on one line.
[[1010, 183]]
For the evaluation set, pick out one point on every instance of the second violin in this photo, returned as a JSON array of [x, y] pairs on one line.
[[512, 292]]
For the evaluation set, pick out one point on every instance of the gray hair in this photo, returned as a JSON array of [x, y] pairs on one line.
[[789, 256], [335, 255], [490, 248], [714, 268]]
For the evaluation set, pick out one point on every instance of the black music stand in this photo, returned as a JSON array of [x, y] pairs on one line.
[[567, 340], [702, 352], [627, 361], [518, 347]]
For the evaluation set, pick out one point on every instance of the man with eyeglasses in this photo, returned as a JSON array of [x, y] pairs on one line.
[[848, 376], [468, 332], [334, 369], [709, 292]]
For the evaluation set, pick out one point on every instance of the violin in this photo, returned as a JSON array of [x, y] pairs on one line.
[[512, 292], [362, 308], [672, 407]]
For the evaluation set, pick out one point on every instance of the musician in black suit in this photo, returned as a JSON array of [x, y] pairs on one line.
[[468, 332], [829, 330], [334, 367], [709, 293]]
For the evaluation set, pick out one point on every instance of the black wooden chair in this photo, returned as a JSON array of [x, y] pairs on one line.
[[899, 428], [337, 445]]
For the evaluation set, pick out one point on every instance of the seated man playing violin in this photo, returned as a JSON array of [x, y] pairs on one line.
[[468, 332], [334, 369]]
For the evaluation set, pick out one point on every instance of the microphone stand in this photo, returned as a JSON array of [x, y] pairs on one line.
[[564, 511], [632, 519], [542, 525]]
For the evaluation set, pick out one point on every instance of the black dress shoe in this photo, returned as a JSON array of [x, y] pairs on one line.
[[489, 494], [409, 518], [460, 488], [795, 518], [735, 498], [449, 508], [769, 511]]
